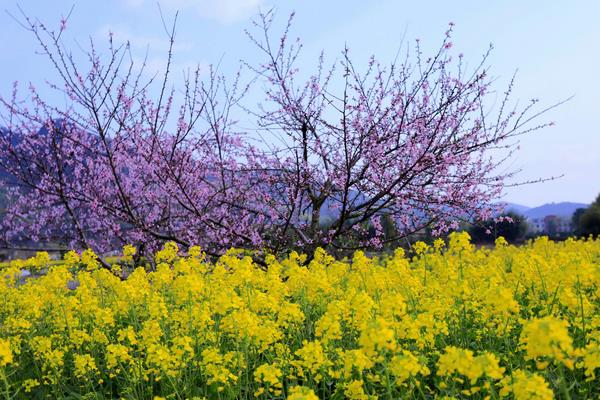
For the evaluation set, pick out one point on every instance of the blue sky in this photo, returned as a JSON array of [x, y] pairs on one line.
[[554, 45]]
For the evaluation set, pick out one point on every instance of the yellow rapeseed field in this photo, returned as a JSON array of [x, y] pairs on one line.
[[451, 321]]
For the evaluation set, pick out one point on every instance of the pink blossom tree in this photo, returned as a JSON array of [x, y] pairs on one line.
[[135, 161]]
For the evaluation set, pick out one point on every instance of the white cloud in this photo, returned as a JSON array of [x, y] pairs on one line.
[[141, 42], [156, 57], [156, 68], [134, 3], [224, 11]]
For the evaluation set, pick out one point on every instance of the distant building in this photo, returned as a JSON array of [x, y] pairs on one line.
[[550, 225]]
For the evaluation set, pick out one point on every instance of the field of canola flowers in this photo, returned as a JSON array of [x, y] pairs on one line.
[[451, 321]]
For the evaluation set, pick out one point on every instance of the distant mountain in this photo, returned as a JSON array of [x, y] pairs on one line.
[[516, 208], [563, 209]]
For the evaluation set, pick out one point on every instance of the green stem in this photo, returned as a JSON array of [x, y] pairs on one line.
[[563, 383], [6, 385]]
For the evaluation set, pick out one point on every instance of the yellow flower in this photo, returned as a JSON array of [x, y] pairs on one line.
[[354, 361], [218, 367], [591, 359], [462, 361], [116, 269], [501, 242], [547, 337], [30, 384], [84, 365], [328, 327], [128, 252], [41, 260], [406, 365], [127, 335], [90, 260], [354, 391], [312, 358], [71, 258], [6, 356], [117, 354], [196, 252], [526, 386], [420, 248], [269, 376], [168, 253], [460, 242], [378, 337], [302, 393], [337, 327]]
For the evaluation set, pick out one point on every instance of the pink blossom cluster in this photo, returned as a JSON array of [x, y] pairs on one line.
[[336, 155]]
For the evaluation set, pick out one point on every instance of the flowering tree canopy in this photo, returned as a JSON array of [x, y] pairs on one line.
[[131, 160]]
